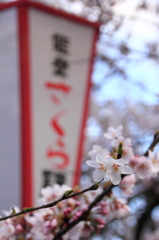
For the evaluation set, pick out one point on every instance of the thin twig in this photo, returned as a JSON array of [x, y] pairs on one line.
[[64, 197], [85, 214], [153, 144]]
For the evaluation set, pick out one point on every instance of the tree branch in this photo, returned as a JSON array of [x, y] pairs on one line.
[[153, 144], [152, 202], [85, 214], [64, 197]]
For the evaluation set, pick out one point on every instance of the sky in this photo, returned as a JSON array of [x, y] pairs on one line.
[[142, 83]]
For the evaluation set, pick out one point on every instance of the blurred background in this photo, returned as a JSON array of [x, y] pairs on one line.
[[125, 90]]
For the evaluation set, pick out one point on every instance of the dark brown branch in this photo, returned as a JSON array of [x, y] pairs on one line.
[[64, 197], [153, 144], [152, 202], [85, 214]]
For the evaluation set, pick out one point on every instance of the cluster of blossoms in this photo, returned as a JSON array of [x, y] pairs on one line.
[[45, 223], [120, 159], [109, 165]]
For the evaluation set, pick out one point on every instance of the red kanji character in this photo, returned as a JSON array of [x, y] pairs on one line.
[[55, 99], [58, 154], [60, 143], [59, 86], [55, 124]]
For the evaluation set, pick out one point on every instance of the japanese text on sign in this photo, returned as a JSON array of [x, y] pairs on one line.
[[57, 150]]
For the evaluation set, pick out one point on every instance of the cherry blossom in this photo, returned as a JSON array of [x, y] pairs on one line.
[[134, 161], [117, 208], [122, 210], [102, 165], [50, 193], [113, 133], [109, 168], [7, 230], [143, 168], [96, 149], [127, 184], [127, 149], [117, 168]]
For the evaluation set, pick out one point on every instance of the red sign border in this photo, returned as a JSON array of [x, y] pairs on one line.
[[25, 101]]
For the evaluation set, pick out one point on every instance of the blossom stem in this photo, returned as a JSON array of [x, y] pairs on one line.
[[105, 192], [64, 197], [153, 144]]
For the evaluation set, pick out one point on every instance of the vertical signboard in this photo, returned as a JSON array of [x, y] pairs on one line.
[[50, 56]]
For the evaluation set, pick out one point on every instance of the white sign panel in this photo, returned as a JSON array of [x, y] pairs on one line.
[[60, 52]]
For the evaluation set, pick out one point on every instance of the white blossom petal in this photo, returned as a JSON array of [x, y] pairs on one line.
[[125, 169], [112, 130], [98, 175], [100, 158], [115, 177], [114, 143], [108, 162], [108, 136], [92, 163], [120, 161]]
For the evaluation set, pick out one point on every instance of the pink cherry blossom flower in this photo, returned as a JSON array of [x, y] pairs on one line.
[[143, 168], [113, 133], [18, 229], [7, 230], [118, 208], [51, 193], [127, 184], [135, 160], [126, 147], [96, 149], [102, 166], [109, 168], [115, 142], [100, 223], [87, 229], [122, 211], [117, 168]]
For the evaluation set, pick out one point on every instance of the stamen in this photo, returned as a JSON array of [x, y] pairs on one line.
[[102, 168], [116, 168]]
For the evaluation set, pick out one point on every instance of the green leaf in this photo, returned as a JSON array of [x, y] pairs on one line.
[[120, 150]]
